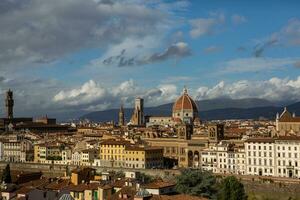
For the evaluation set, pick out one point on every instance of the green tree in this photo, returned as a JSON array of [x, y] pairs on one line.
[[232, 189], [197, 183], [6, 177], [145, 178]]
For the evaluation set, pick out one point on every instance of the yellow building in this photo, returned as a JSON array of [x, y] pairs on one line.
[[143, 157], [112, 153], [45, 153]]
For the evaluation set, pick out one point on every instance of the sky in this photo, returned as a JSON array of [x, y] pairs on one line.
[[77, 56]]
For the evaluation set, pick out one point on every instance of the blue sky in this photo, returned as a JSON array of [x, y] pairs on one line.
[[67, 56]]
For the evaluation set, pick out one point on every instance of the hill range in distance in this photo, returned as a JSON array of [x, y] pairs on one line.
[[210, 109]]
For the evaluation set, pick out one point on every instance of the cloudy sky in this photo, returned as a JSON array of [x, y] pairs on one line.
[[75, 56]]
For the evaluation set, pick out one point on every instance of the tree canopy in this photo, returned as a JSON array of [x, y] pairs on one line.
[[6, 177], [232, 189], [197, 183]]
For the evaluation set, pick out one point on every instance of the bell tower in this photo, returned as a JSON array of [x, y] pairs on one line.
[[184, 131], [121, 116], [215, 132], [9, 104]]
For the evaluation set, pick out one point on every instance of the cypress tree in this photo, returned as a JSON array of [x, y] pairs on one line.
[[6, 177]]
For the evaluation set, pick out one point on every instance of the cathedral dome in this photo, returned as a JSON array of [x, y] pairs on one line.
[[185, 108], [185, 102]]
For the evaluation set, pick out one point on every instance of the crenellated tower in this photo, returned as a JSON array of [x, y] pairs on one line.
[[9, 104]]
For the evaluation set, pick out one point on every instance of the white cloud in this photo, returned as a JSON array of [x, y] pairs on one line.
[[34, 32], [241, 65], [87, 93], [288, 35], [291, 32], [205, 26], [274, 89], [91, 95]]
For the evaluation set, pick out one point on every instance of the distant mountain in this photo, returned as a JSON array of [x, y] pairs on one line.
[[221, 108]]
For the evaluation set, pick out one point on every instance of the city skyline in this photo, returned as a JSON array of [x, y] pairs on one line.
[[68, 56]]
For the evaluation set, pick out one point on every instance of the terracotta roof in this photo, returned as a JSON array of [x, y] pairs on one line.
[[177, 197], [24, 190], [114, 142], [288, 138], [77, 188], [119, 183], [286, 116], [36, 183], [185, 102], [261, 140], [158, 184], [58, 185], [125, 193], [139, 148]]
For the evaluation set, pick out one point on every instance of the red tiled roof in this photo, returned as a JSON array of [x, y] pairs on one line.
[[185, 102], [261, 140], [158, 184]]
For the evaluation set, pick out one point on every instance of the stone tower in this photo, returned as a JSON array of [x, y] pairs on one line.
[[215, 132], [184, 131], [121, 116], [9, 104], [138, 113]]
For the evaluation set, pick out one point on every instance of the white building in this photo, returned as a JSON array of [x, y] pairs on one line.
[[209, 160], [260, 156], [288, 156]]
